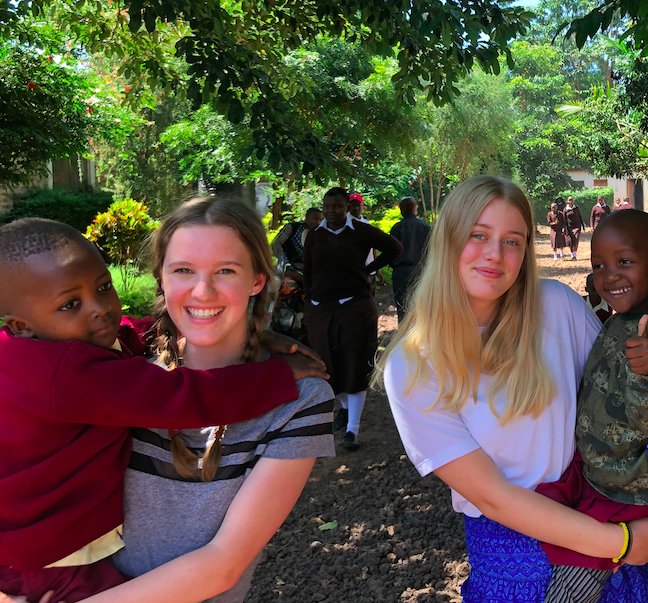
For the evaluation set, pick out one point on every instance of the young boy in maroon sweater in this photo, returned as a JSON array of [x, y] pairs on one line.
[[67, 389]]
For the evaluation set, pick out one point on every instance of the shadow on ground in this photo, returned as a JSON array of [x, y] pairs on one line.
[[397, 541]]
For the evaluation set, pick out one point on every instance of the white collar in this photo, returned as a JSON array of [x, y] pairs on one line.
[[349, 223], [602, 306]]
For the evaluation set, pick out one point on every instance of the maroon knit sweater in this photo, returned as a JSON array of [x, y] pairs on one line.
[[63, 445]]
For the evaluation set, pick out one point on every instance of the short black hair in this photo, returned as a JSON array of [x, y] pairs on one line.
[[337, 191], [630, 220], [312, 210], [32, 236], [408, 206]]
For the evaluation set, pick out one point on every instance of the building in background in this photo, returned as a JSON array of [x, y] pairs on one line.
[[72, 173], [623, 187]]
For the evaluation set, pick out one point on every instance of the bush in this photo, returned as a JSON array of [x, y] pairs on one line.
[[586, 199], [76, 208], [137, 297], [120, 232]]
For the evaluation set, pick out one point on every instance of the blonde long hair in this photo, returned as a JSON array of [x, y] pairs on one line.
[[440, 329], [210, 211]]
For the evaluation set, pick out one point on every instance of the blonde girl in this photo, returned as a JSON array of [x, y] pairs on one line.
[[201, 504], [482, 380]]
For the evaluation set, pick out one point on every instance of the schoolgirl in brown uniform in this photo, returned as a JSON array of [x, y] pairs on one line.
[[556, 221], [573, 224]]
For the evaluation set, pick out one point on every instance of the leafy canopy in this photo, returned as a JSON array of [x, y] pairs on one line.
[[44, 113], [235, 51]]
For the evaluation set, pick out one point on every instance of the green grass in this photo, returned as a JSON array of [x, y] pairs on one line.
[[139, 299]]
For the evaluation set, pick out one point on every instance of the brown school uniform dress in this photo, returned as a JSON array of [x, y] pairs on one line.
[[557, 223], [573, 224]]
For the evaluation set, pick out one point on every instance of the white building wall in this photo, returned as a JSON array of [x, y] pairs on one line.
[[623, 187]]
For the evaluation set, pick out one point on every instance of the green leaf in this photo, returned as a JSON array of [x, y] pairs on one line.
[[331, 525]]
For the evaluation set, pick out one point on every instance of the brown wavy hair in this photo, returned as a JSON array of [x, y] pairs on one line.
[[210, 211]]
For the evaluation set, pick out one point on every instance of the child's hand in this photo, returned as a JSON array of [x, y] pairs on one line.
[[304, 366], [280, 344], [637, 349]]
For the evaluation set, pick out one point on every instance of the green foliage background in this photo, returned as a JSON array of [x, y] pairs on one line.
[[76, 208]]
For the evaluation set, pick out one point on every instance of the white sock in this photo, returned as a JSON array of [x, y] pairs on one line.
[[573, 254], [561, 254], [555, 255], [344, 399], [356, 404]]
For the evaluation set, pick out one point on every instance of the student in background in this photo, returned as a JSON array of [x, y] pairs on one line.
[[356, 209], [599, 306], [413, 234], [341, 313], [599, 211], [289, 242]]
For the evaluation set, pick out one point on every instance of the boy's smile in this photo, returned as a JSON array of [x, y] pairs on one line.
[[620, 267], [65, 294]]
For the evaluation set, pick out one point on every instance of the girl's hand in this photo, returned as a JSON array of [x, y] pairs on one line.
[[639, 553]]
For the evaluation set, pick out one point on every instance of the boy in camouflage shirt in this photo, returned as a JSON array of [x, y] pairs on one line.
[[608, 478]]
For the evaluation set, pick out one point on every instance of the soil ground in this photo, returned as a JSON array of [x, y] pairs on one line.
[[397, 538]]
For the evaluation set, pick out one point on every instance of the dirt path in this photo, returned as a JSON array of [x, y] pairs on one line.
[[397, 539]]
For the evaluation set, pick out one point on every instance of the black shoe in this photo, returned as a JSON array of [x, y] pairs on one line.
[[340, 420], [350, 442]]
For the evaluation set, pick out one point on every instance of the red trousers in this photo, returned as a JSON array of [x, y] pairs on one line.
[[70, 584], [574, 491]]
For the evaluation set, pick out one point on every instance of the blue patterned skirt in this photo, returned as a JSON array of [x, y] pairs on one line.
[[506, 566], [509, 567], [628, 585]]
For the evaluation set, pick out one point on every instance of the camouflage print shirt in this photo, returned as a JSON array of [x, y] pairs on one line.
[[612, 417]]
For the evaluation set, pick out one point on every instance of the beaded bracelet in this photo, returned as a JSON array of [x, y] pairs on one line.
[[626, 543], [629, 547]]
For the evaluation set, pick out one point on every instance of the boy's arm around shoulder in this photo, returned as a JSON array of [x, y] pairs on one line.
[[80, 383]]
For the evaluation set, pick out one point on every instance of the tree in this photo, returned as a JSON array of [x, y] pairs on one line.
[[339, 91], [45, 113], [613, 127], [469, 136], [632, 13], [538, 84], [235, 51], [584, 66]]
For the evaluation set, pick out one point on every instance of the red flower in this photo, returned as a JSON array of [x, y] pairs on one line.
[[127, 89], [88, 111], [31, 85]]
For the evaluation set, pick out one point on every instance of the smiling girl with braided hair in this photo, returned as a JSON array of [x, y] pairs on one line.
[[203, 503]]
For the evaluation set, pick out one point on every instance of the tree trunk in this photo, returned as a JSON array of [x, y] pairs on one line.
[[437, 200], [277, 207], [420, 183], [431, 188]]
